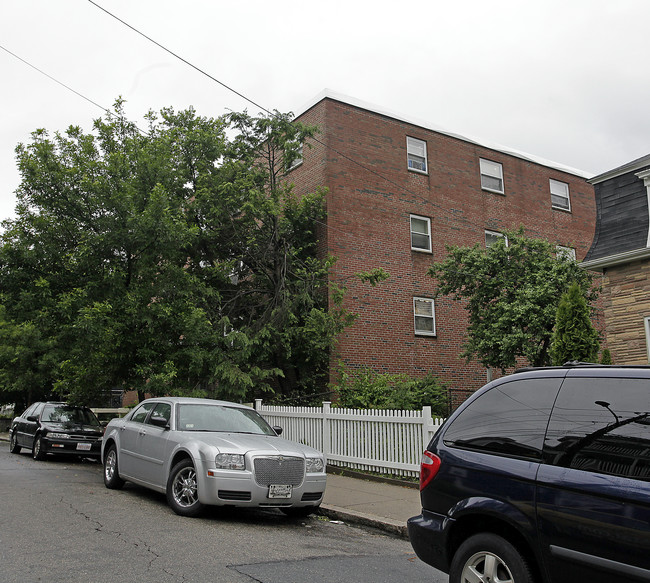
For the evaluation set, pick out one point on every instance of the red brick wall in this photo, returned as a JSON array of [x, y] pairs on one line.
[[362, 160]]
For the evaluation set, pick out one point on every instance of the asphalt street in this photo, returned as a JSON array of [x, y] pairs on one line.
[[59, 524]]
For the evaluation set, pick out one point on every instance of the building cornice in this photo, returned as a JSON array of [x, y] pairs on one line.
[[328, 94], [637, 164], [618, 259]]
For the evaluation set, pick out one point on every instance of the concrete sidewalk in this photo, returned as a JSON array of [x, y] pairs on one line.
[[364, 500]]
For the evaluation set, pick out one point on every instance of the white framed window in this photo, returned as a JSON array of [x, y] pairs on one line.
[[568, 253], [491, 237], [416, 154], [646, 321], [491, 176], [559, 195], [424, 315], [420, 233]]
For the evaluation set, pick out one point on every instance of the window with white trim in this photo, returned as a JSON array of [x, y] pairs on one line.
[[568, 253], [491, 237], [491, 176], [647, 335], [420, 233], [424, 316], [416, 154], [559, 195]]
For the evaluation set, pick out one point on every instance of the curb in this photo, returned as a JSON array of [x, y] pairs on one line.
[[393, 527]]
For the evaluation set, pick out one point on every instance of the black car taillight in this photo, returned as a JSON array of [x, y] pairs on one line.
[[429, 467]]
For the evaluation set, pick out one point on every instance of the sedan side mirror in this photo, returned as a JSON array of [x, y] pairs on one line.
[[32, 418], [277, 429], [159, 421]]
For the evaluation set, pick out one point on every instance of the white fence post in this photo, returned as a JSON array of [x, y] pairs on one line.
[[427, 426], [326, 428]]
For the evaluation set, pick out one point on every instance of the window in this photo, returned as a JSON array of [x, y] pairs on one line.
[[420, 233], [560, 195], [293, 155], [163, 410], [141, 412], [601, 425], [647, 335], [491, 176], [416, 153], [424, 316], [567, 253], [491, 237], [509, 419]]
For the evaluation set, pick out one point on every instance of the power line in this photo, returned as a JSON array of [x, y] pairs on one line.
[[264, 109], [88, 99], [164, 48]]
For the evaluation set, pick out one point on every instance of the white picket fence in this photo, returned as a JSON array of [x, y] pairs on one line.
[[374, 440]]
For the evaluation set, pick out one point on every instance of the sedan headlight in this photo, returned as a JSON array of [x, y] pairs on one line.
[[58, 435], [314, 465], [230, 461]]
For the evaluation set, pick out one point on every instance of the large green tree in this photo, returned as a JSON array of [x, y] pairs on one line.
[[171, 260], [511, 292]]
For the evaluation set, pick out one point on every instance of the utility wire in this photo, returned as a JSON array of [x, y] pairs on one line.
[[56, 80], [264, 109], [164, 48], [104, 109]]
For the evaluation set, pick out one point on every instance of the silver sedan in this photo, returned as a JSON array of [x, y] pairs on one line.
[[204, 452]]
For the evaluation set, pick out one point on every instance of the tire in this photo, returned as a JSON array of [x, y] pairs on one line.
[[37, 449], [183, 490], [13, 443], [299, 511], [112, 478], [488, 557]]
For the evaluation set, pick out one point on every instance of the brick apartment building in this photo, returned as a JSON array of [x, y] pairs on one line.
[[621, 251], [399, 191]]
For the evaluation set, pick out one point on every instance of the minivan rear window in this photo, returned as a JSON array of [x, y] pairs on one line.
[[509, 419]]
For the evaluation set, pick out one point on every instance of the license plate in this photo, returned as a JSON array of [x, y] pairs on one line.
[[279, 491], [84, 446]]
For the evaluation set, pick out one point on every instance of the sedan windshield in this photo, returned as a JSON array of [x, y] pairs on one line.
[[201, 417], [67, 414]]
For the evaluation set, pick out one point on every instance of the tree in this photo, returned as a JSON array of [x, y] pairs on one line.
[[176, 261], [511, 290], [574, 336]]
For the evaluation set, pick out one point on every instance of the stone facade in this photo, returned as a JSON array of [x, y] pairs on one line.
[[626, 305]]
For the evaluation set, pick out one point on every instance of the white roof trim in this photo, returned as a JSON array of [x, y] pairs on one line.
[[618, 259], [327, 93]]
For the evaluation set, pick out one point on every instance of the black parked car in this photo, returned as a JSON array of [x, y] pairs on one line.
[[57, 428], [542, 476]]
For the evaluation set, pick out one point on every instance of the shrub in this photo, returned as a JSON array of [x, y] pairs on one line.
[[365, 388]]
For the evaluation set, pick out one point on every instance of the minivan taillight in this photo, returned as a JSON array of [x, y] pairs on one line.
[[429, 467]]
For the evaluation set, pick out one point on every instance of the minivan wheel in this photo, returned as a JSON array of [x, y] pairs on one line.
[[489, 557]]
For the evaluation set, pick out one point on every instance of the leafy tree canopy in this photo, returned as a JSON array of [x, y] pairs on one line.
[[172, 261], [511, 292]]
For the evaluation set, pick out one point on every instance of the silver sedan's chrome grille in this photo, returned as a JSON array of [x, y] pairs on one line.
[[279, 469]]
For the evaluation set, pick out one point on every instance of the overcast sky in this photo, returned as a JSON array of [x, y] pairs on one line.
[[566, 80]]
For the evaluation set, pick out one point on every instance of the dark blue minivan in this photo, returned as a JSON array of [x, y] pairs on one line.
[[542, 476]]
